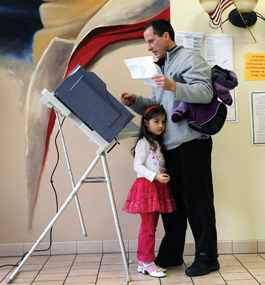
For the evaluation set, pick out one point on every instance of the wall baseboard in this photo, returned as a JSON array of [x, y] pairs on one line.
[[110, 246]]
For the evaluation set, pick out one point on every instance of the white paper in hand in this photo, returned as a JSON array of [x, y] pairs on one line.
[[142, 68]]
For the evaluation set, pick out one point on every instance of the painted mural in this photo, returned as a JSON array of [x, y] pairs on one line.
[[54, 36], [19, 20]]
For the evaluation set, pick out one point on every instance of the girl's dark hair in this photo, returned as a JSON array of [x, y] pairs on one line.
[[160, 26], [152, 113]]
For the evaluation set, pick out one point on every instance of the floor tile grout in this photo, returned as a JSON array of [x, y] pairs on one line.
[[101, 269]]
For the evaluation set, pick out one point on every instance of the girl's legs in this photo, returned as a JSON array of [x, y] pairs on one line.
[[146, 240], [146, 245]]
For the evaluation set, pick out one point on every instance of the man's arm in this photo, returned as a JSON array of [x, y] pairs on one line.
[[163, 82], [136, 102], [127, 99], [196, 85]]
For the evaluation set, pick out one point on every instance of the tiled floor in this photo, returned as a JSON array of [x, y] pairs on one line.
[[108, 269]]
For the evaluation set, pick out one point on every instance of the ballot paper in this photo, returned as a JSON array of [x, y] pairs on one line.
[[142, 68]]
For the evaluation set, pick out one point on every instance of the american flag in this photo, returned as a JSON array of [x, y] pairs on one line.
[[216, 15]]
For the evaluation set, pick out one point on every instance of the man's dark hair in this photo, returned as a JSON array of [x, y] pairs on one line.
[[160, 26]]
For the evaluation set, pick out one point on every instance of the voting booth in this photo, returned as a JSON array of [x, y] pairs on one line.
[[87, 97], [83, 98]]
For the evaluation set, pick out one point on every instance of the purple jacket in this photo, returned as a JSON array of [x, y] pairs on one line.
[[208, 119]]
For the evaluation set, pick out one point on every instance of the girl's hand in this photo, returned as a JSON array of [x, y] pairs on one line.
[[162, 177], [163, 82]]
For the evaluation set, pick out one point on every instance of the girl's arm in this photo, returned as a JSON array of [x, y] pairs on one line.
[[141, 153]]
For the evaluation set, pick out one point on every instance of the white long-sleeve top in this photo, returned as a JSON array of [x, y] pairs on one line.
[[148, 161]]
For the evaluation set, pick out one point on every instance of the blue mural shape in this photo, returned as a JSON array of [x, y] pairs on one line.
[[19, 20]]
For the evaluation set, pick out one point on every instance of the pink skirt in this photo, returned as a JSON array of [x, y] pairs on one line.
[[146, 197]]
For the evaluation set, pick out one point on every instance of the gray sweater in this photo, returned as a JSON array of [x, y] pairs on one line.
[[194, 85]]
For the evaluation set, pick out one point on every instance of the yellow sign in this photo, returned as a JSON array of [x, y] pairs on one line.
[[255, 66]]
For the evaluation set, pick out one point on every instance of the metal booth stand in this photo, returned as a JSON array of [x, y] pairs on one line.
[[73, 99]]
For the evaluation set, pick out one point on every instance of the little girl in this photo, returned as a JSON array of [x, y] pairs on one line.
[[150, 193]]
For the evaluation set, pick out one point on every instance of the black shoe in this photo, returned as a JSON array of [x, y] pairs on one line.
[[166, 264], [199, 268]]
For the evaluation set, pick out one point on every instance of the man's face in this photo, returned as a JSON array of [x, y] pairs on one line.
[[157, 45]]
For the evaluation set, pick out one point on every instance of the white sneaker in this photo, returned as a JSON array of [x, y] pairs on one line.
[[152, 270]]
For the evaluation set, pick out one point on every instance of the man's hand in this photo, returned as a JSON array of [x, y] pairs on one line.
[[127, 99], [163, 82], [162, 177]]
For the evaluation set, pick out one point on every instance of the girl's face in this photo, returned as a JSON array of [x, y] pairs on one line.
[[156, 126]]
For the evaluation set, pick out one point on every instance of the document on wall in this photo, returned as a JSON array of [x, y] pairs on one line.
[[190, 40], [232, 110], [255, 66], [142, 68], [219, 51], [257, 117]]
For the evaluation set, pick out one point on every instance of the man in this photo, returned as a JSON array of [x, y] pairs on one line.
[[183, 76]]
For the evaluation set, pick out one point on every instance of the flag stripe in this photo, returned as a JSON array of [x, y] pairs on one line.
[[216, 15], [220, 7]]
